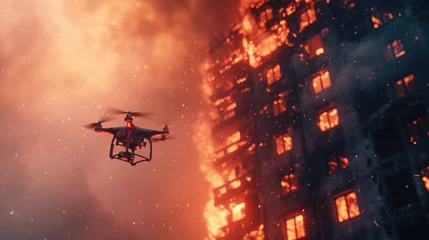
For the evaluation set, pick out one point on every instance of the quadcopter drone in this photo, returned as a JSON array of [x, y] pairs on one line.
[[130, 137]]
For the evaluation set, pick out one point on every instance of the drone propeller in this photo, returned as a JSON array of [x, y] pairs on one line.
[[115, 111], [162, 139], [93, 125]]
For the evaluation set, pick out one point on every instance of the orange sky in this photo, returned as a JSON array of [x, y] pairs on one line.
[[61, 62]]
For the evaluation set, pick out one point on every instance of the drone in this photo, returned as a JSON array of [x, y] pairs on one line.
[[130, 137]]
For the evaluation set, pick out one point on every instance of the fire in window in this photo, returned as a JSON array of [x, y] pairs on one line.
[[418, 129], [283, 143], [348, 4], [265, 16], [295, 228], [289, 184], [279, 104], [321, 82], [307, 18], [395, 50], [404, 85], [238, 211], [232, 142], [347, 207], [273, 74], [314, 47], [425, 177], [337, 162], [379, 19], [328, 119]]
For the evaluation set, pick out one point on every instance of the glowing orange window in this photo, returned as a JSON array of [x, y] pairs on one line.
[[328, 119], [295, 228], [289, 184], [348, 4], [265, 16], [314, 47], [283, 143], [273, 74], [238, 211], [425, 177], [307, 18], [279, 104], [321, 82], [378, 19], [347, 207], [395, 50], [404, 85], [336, 162], [418, 129]]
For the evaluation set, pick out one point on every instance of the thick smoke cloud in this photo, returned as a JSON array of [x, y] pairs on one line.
[[61, 63]]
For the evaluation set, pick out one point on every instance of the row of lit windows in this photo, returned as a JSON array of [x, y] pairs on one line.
[[346, 208]]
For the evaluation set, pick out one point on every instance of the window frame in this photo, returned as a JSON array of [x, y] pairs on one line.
[[293, 217], [282, 136], [279, 103], [390, 53], [327, 111], [344, 195], [337, 155], [272, 69], [308, 18], [319, 75], [290, 172]]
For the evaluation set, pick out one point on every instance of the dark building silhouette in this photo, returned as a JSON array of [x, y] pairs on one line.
[[321, 120]]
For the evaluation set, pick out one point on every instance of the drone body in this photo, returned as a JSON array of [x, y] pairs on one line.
[[131, 138]]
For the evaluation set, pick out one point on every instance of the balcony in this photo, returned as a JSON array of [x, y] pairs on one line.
[[236, 188], [243, 219]]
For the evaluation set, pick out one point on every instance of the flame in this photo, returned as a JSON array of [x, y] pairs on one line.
[[216, 218]]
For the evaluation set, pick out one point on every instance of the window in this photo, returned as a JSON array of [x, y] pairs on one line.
[[378, 19], [237, 211], [348, 4], [289, 184], [418, 129], [283, 143], [273, 74], [279, 104], [306, 18], [404, 85], [321, 81], [394, 50], [337, 162], [314, 47], [328, 119], [295, 228], [347, 207], [425, 177], [265, 16], [232, 142]]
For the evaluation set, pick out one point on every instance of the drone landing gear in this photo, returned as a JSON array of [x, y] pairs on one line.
[[129, 155]]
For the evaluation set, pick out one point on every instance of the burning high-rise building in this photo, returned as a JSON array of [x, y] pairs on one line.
[[317, 123]]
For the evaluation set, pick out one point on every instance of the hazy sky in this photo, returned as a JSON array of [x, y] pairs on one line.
[[61, 63]]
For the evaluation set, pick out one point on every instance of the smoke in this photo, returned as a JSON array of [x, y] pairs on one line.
[[359, 61], [61, 63]]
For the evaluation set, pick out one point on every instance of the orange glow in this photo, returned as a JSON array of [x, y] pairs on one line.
[[307, 18], [295, 228], [265, 16], [279, 105], [380, 19], [395, 50], [237, 211], [289, 184], [283, 143], [321, 82], [256, 234], [404, 85], [347, 207], [215, 217], [425, 177], [337, 162], [328, 119], [235, 137], [273, 74], [314, 47]]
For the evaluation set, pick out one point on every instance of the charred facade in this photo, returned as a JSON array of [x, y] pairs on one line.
[[319, 121]]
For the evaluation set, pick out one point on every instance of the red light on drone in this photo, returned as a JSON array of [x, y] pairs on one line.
[[128, 124]]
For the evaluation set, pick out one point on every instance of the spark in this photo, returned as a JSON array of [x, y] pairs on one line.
[[376, 223]]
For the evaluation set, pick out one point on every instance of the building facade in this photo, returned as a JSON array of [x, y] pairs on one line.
[[320, 120]]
